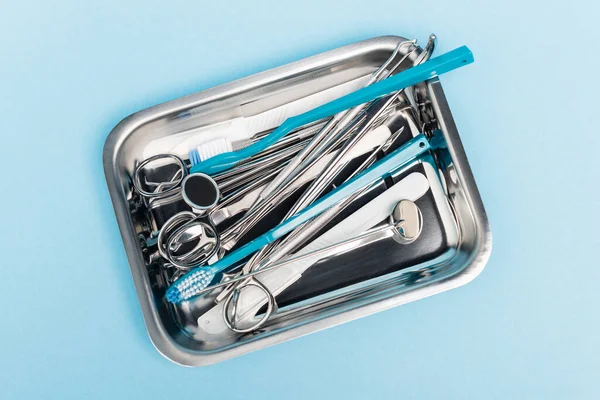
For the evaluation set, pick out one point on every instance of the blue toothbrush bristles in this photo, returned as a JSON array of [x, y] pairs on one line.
[[194, 156], [189, 285]]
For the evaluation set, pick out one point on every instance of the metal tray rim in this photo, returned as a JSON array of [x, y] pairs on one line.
[[155, 328]]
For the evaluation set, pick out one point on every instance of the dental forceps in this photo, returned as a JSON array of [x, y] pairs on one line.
[[243, 199], [303, 233]]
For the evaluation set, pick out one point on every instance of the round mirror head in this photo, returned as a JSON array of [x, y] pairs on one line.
[[200, 191], [407, 221]]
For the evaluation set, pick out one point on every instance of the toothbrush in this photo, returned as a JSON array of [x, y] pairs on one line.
[[436, 66], [252, 120]]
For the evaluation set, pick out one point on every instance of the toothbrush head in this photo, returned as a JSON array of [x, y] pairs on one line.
[[189, 285]]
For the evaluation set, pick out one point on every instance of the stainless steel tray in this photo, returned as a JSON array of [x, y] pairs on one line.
[[464, 250]]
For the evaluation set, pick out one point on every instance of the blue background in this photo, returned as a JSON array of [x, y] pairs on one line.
[[70, 324]]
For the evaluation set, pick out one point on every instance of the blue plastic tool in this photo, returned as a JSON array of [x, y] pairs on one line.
[[436, 66], [199, 278]]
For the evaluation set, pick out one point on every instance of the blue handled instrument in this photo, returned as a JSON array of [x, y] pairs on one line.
[[436, 66]]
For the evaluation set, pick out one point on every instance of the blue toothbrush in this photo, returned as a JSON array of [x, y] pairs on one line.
[[199, 278], [434, 67]]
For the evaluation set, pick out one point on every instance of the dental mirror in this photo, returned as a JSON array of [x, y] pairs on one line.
[[200, 192], [407, 222]]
